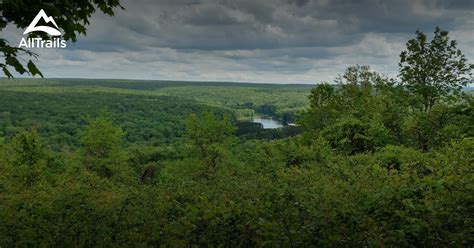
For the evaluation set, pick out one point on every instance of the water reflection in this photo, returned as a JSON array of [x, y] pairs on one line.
[[268, 122]]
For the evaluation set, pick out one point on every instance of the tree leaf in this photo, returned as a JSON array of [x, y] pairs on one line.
[[33, 69], [7, 72], [12, 61]]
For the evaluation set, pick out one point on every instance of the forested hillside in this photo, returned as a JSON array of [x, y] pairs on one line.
[[374, 161], [150, 112]]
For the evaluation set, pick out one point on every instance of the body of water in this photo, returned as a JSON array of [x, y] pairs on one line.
[[268, 122]]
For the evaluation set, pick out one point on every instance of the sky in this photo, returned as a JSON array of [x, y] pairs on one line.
[[262, 41]]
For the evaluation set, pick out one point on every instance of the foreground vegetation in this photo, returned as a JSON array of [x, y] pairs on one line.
[[378, 162]]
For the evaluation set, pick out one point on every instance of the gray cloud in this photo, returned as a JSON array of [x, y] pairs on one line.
[[283, 41]]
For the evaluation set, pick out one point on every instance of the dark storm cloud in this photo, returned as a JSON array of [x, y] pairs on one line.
[[293, 41], [253, 24]]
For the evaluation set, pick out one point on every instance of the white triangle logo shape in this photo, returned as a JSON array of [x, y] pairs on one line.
[[49, 30]]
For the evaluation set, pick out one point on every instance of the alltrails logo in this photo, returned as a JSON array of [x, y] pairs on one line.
[[39, 42]]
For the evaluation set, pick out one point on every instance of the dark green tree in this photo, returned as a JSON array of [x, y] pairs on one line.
[[71, 16], [27, 148], [433, 71], [209, 136], [101, 146], [354, 93], [27, 156], [323, 109]]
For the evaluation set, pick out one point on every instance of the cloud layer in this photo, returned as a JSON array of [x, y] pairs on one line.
[[268, 41]]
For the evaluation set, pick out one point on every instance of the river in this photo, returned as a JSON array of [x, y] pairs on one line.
[[268, 122]]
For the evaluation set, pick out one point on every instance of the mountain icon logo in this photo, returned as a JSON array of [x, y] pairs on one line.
[[49, 30]]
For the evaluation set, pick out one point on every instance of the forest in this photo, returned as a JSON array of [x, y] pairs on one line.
[[373, 160]]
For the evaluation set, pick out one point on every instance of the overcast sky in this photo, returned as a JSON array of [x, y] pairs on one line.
[[267, 41]]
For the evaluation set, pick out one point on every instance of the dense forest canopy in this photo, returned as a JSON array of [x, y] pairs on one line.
[[373, 161]]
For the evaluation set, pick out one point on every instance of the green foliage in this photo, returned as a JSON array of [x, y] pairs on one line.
[[290, 192], [56, 107], [245, 127], [101, 139], [352, 136], [208, 136], [26, 155], [433, 71], [59, 116], [101, 144], [426, 130], [366, 111], [247, 99], [270, 134], [355, 116], [357, 93], [323, 109], [27, 148], [10, 55]]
